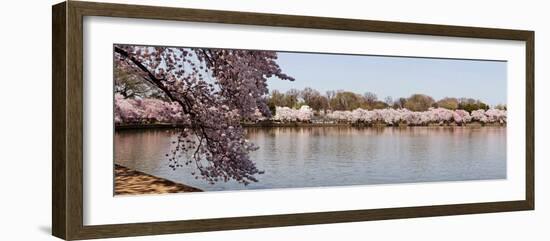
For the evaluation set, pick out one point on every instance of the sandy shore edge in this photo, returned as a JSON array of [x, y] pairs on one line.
[[132, 182]]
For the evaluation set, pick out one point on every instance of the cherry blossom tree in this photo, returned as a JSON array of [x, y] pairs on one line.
[[285, 114], [343, 116], [440, 116], [461, 116], [305, 113], [214, 89], [479, 115], [496, 115], [149, 110]]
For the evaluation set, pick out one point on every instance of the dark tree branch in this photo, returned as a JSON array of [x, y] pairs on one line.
[[185, 104], [152, 77]]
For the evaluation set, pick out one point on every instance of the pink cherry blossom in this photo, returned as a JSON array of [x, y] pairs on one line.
[[213, 89], [285, 114], [404, 116], [479, 115]]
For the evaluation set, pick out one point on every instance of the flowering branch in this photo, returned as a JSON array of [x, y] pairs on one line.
[[215, 140]]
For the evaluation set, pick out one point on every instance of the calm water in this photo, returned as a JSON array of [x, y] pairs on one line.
[[333, 156]]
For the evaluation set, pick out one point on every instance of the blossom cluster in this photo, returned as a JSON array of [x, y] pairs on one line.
[[404, 116], [285, 114], [215, 89], [146, 110]]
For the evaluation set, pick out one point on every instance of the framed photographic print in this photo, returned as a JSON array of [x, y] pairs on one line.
[[171, 120]]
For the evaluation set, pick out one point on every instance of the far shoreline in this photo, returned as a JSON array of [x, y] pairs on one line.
[[304, 124]]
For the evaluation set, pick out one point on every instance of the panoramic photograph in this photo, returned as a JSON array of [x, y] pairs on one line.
[[193, 119]]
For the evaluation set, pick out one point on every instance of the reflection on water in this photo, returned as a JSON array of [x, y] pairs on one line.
[[334, 156]]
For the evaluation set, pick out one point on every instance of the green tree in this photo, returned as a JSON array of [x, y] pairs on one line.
[[469, 104], [291, 98], [314, 99], [370, 97], [399, 103], [448, 103], [275, 99], [345, 100], [419, 102], [501, 107], [378, 105]]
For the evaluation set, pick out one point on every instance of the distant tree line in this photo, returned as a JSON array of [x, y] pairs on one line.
[[346, 101]]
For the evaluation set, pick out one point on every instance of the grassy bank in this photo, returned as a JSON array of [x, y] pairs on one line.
[[131, 182]]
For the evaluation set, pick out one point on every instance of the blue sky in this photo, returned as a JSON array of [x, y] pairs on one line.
[[394, 76]]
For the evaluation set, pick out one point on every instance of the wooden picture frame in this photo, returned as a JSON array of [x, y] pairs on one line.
[[67, 150]]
